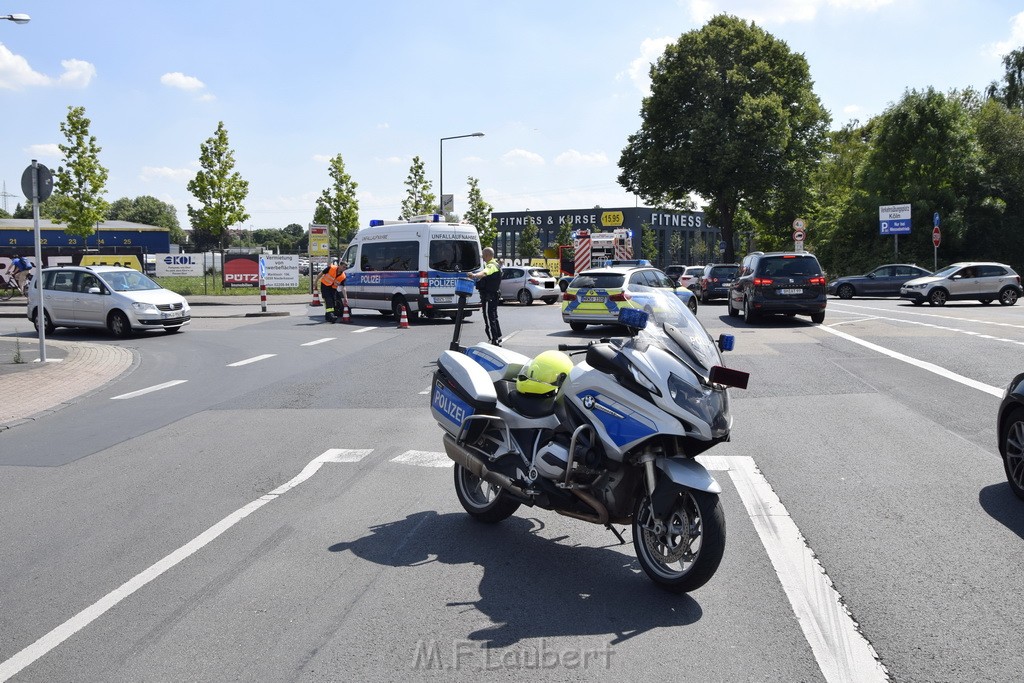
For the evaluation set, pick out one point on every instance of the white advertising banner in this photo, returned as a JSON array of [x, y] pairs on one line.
[[179, 265], [282, 270]]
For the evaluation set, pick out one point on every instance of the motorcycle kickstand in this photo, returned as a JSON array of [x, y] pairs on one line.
[[615, 531]]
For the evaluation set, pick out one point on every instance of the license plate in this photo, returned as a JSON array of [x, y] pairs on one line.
[[593, 299], [442, 299], [791, 291], [170, 314]]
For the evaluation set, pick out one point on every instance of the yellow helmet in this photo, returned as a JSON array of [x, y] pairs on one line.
[[544, 374]]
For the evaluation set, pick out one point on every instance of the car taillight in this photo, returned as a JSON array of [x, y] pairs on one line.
[[424, 283], [762, 281], [621, 296], [534, 281], [568, 297], [817, 281]]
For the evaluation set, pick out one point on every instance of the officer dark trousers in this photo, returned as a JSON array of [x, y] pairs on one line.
[[490, 313], [329, 295]]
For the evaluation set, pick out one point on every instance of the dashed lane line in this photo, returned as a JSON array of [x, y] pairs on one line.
[[319, 341], [156, 387], [254, 359], [51, 640]]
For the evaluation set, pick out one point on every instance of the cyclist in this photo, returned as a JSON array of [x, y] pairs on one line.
[[20, 269]]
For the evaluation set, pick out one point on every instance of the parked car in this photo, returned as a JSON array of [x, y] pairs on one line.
[[882, 281], [526, 283], [1010, 428], [690, 277], [715, 280], [595, 296], [983, 281], [778, 282], [121, 300], [674, 271]]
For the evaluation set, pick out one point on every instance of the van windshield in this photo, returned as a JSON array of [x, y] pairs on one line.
[[454, 256]]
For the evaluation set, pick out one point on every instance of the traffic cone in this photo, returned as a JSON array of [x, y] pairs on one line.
[[316, 298], [403, 321], [345, 316]]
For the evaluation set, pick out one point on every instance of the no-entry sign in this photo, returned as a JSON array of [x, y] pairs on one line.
[[936, 236]]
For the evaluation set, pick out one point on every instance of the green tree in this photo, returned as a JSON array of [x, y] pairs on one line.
[[529, 243], [732, 116], [220, 190], [1011, 93], [1000, 214], [675, 248], [648, 243], [479, 214], [81, 179], [419, 200], [337, 206], [148, 210]]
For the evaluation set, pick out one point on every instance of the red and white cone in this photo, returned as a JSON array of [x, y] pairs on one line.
[[316, 298], [346, 317], [403, 320]]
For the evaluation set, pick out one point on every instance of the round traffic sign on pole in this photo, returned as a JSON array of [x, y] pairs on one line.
[[798, 235], [936, 236], [44, 186], [798, 224]]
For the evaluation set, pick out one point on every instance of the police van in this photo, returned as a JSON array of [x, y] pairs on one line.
[[413, 264]]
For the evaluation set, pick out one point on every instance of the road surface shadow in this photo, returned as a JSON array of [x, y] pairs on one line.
[[1004, 507]]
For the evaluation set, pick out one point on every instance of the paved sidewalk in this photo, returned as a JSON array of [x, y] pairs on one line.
[[76, 369]]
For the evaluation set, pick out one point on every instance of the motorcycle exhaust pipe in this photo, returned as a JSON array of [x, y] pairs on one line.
[[600, 515], [462, 456]]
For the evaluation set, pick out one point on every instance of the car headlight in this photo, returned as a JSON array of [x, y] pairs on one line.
[[141, 307]]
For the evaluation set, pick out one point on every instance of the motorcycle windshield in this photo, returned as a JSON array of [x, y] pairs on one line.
[[672, 325]]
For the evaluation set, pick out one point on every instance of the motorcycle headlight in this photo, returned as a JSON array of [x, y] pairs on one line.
[[709, 405]]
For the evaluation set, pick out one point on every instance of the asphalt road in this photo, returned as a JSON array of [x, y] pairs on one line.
[[280, 512]]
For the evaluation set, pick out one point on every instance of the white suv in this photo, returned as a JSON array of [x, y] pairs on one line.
[[118, 299], [982, 281], [527, 283]]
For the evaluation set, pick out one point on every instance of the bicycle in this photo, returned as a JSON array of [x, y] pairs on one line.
[[9, 287]]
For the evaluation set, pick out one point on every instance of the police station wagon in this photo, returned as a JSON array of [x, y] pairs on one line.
[[595, 296]]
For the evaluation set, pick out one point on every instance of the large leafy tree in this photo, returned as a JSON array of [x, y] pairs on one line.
[[81, 180], [732, 117], [148, 210], [528, 245], [479, 214], [337, 206], [419, 200], [999, 218], [1011, 92], [220, 190]]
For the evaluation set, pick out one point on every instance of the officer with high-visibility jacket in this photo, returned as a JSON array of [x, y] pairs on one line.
[[488, 282], [330, 278]]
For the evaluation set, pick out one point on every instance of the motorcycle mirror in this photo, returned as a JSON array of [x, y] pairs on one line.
[[726, 342]]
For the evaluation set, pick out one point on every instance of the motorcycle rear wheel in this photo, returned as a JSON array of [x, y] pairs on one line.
[[685, 555], [484, 501]]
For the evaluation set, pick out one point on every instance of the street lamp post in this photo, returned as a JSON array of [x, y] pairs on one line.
[[440, 199], [16, 18]]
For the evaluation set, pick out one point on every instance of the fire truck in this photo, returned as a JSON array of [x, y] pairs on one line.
[[593, 249]]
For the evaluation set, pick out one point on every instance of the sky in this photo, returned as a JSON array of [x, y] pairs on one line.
[[556, 87]]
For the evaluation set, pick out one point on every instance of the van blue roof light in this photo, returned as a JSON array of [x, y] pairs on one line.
[[375, 222]]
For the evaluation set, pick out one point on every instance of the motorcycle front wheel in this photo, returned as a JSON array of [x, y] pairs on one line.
[[685, 554], [484, 501]]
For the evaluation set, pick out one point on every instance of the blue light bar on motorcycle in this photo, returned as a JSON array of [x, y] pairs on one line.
[[464, 286], [633, 318], [726, 342]]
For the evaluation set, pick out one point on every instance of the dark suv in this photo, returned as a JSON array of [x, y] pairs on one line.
[[779, 282], [715, 281]]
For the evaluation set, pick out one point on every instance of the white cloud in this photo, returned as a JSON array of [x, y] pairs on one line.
[[394, 161], [45, 151], [16, 73], [156, 173], [322, 158], [176, 79], [1016, 38], [515, 156], [640, 68], [779, 11], [573, 158]]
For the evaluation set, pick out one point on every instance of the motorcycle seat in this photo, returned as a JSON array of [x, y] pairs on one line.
[[524, 404]]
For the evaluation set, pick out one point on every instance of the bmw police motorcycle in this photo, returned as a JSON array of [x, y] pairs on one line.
[[610, 440]]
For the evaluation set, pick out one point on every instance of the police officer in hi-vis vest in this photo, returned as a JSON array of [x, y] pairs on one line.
[[488, 282], [330, 278]]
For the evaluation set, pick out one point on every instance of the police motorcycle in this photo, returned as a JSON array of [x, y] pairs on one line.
[[610, 440]]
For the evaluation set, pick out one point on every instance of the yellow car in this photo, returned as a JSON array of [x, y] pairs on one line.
[[595, 296]]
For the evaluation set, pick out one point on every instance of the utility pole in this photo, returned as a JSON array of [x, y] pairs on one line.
[[5, 194]]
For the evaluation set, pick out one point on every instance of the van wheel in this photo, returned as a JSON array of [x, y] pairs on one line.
[[48, 326], [396, 308], [119, 325], [525, 298]]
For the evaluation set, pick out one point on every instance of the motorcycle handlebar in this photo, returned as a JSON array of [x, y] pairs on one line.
[[573, 347]]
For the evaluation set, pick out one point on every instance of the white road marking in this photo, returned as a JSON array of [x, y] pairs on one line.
[[842, 652], [254, 359], [51, 640], [930, 315], [424, 459], [425, 391], [363, 329], [319, 341], [157, 387], [924, 365]]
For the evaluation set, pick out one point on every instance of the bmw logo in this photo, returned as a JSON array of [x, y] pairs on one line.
[[589, 401]]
